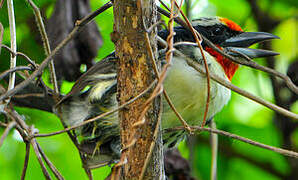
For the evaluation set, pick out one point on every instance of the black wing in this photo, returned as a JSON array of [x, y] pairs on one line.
[[108, 65]]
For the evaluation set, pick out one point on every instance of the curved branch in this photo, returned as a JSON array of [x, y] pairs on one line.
[[46, 44], [6, 131], [49, 163], [243, 139], [78, 27], [251, 64], [26, 161], [17, 68], [13, 44], [233, 87], [99, 116], [19, 54]]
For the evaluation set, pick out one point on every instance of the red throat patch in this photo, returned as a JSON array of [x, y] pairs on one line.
[[228, 66], [231, 24]]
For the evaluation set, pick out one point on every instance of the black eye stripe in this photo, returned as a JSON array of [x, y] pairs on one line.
[[216, 33]]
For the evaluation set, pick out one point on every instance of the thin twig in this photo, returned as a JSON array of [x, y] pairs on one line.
[[92, 15], [184, 123], [228, 84], [198, 40], [157, 127], [160, 22], [12, 114], [46, 45], [99, 116], [251, 64], [243, 139], [170, 38], [159, 87], [164, 5], [40, 82], [19, 54], [214, 152], [89, 173], [237, 89], [242, 92], [228, 151], [27, 134], [157, 90], [49, 163], [169, 55], [3, 124], [13, 44], [152, 145], [34, 65], [164, 91], [17, 68], [25, 131], [79, 26], [38, 155], [6, 131], [26, 161], [248, 62], [167, 14]]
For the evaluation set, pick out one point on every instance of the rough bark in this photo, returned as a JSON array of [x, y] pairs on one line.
[[135, 74]]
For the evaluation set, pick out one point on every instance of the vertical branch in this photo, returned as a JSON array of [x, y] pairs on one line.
[[38, 155], [46, 44], [27, 135], [49, 163], [214, 152], [13, 43], [26, 161], [198, 40], [285, 124], [1, 35], [170, 38], [135, 74]]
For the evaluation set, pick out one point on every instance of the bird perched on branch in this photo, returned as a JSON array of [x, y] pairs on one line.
[[186, 87]]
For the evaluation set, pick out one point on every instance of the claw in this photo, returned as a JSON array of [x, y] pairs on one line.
[[97, 148]]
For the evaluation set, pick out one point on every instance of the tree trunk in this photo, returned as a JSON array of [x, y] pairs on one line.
[[135, 74]]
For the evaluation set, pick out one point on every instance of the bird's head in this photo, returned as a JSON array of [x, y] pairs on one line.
[[230, 37]]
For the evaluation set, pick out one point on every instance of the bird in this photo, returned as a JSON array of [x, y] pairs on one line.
[[95, 92]]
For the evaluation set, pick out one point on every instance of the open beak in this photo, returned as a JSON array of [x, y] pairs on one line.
[[238, 45]]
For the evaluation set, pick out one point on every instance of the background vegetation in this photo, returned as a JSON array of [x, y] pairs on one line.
[[241, 116]]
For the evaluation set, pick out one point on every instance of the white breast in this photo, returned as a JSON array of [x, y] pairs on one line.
[[187, 89]]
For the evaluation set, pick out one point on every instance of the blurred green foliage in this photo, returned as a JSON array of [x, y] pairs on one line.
[[240, 116]]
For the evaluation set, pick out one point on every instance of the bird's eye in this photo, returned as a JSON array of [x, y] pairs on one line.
[[217, 31]]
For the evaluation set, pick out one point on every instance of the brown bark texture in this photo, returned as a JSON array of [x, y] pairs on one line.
[[135, 74]]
